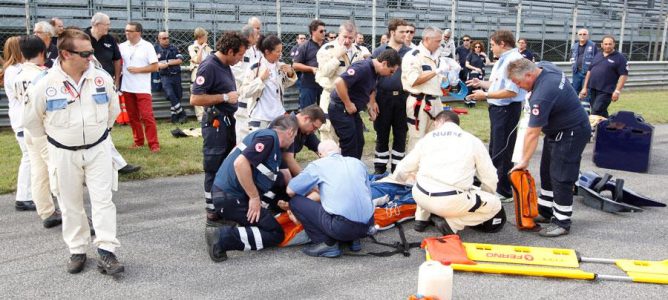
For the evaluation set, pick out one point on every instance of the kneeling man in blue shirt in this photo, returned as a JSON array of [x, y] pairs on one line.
[[344, 212]]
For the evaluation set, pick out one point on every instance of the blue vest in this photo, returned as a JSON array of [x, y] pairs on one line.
[[589, 53], [264, 175]]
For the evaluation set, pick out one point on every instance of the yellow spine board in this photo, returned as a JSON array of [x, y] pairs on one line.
[[526, 271], [643, 266], [553, 257], [648, 277]]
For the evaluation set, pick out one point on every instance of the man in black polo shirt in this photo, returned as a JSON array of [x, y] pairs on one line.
[[310, 119], [354, 89], [215, 88], [305, 61], [391, 99], [556, 111], [109, 57], [105, 46], [606, 77], [462, 52]]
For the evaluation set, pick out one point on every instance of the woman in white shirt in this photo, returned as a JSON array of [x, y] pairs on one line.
[[265, 83], [10, 69]]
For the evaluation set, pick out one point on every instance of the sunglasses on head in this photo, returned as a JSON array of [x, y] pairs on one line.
[[83, 54]]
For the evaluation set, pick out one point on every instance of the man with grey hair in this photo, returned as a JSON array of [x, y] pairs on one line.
[[45, 32], [422, 76], [448, 44], [109, 57], [256, 24], [582, 55], [333, 59], [341, 214], [240, 190], [251, 57], [556, 111]]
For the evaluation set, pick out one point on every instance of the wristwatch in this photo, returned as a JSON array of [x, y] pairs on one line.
[[226, 98], [486, 95]]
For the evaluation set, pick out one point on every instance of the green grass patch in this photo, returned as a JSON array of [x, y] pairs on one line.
[[183, 156]]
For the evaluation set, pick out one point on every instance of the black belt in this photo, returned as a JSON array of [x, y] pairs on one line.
[[82, 147], [392, 92], [439, 194], [423, 96], [243, 104]]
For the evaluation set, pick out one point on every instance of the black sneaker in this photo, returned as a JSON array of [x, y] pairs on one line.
[[25, 205], [212, 240], [183, 118], [108, 264], [420, 226], [442, 225], [129, 169], [53, 220], [76, 264]]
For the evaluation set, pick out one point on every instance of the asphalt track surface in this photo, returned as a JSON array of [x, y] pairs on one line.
[[161, 229]]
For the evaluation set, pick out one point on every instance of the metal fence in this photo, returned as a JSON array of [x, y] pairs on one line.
[[548, 25]]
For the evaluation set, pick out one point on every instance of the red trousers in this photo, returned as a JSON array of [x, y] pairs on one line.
[[140, 110]]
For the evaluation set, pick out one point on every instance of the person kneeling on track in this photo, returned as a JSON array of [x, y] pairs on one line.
[[249, 172], [342, 214], [444, 182]]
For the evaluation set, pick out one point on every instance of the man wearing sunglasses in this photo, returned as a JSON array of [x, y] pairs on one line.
[[75, 105], [139, 61], [305, 61], [462, 52], [169, 63]]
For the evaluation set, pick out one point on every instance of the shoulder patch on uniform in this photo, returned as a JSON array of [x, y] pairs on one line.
[[99, 81], [255, 65], [329, 47], [415, 52], [200, 80], [351, 71], [535, 110], [259, 147]]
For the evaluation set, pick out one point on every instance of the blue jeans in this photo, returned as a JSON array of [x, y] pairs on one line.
[[578, 82], [309, 96]]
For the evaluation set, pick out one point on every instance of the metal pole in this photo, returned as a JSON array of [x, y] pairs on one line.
[[453, 16], [317, 9], [518, 20], [129, 8], [542, 40], [27, 5], [166, 16], [663, 40], [621, 34], [278, 18], [373, 24], [575, 22]]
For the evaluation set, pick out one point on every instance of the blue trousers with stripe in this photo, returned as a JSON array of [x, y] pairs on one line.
[[246, 236], [559, 167]]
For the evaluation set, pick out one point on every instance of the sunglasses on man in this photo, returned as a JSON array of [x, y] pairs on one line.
[[83, 54]]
